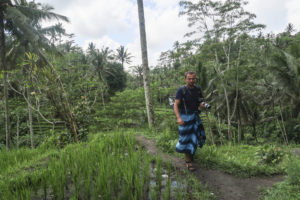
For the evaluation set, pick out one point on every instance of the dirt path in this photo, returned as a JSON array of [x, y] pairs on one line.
[[227, 187]]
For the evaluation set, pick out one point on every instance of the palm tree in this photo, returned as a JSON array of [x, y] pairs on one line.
[[21, 21], [138, 71], [99, 60], [35, 13], [91, 48], [123, 55], [3, 6], [286, 69], [107, 53], [146, 77]]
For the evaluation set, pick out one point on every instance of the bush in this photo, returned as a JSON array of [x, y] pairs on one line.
[[269, 154], [57, 140]]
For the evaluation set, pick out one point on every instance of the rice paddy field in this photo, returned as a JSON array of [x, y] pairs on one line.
[[109, 166]]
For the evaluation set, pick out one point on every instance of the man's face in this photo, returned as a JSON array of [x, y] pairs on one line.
[[190, 80]]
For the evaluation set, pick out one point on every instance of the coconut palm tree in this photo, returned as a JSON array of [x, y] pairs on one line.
[[146, 76], [99, 61], [20, 19], [91, 48], [123, 55], [286, 68]]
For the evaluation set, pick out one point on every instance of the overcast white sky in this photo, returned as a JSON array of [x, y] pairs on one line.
[[113, 23]]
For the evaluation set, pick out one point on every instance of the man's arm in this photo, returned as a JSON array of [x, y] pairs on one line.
[[176, 110], [200, 96]]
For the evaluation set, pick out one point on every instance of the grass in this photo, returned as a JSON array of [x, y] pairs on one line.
[[244, 161], [109, 166], [288, 189], [240, 159]]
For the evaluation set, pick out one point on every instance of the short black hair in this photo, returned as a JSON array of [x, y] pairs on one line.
[[189, 72]]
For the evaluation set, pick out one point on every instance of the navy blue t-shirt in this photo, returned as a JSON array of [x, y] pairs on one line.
[[191, 98]]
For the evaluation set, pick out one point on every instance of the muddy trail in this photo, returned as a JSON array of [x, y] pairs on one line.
[[225, 186]]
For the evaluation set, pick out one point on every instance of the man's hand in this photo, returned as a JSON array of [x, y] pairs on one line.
[[176, 110], [201, 105], [180, 121]]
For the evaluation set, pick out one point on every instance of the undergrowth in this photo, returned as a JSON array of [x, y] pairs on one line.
[[239, 159], [288, 189]]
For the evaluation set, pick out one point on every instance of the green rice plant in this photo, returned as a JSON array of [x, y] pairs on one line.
[[146, 174], [25, 194], [158, 174], [13, 160], [153, 193], [138, 175], [75, 173], [98, 184], [128, 176], [109, 166], [44, 183], [103, 176], [87, 184], [56, 179], [85, 171], [167, 193], [137, 186], [114, 174]]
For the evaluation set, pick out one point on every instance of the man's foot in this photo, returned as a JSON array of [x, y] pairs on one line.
[[190, 167]]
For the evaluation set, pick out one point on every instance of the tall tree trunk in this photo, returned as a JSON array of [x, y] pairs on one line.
[[30, 119], [217, 69], [68, 111], [240, 128], [149, 105], [283, 126], [228, 113], [101, 81], [254, 131], [4, 67], [18, 130], [210, 129], [71, 119], [39, 122], [27, 74], [219, 129]]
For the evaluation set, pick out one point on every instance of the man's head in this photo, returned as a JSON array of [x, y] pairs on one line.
[[190, 79]]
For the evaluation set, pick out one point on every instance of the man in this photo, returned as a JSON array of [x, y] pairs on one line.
[[191, 131]]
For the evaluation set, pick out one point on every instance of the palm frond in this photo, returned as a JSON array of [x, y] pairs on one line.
[[22, 22], [41, 12]]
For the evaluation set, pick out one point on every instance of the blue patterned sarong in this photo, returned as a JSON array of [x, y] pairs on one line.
[[191, 134]]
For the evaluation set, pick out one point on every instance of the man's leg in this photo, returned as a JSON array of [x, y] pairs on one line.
[[188, 161], [188, 157]]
